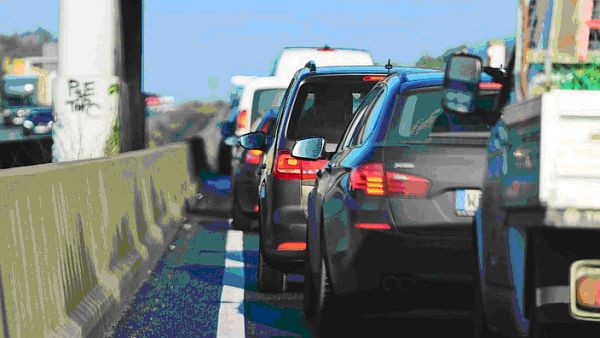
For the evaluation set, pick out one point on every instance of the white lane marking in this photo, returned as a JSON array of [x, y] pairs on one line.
[[231, 310]]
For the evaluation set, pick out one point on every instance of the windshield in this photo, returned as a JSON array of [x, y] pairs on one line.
[[15, 101], [265, 100], [419, 116], [325, 108]]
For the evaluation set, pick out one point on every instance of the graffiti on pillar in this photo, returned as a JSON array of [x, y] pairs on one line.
[[81, 96]]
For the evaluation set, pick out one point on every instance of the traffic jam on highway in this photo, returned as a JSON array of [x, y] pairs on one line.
[[380, 183]]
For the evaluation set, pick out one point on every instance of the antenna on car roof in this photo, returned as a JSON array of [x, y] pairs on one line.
[[389, 66], [311, 66]]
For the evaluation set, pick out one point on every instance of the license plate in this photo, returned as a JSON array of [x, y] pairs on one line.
[[467, 201]]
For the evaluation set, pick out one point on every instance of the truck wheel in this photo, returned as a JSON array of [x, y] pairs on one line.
[[241, 221], [268, 279]]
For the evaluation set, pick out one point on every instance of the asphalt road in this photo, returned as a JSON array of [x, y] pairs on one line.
[[205, 286]]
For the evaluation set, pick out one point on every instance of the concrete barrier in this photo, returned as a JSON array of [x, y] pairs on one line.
[[77, 239]]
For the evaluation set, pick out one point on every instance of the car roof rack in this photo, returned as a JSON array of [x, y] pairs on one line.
[[311, 66]]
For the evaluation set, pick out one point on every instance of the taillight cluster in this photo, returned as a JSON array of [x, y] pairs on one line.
[[242, 119], [253, 156], [374, 180], [290, 168]]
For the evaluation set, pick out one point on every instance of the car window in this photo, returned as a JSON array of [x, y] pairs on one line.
[[369, 98], [324, 108], [419, 115], [264, 100], [368, 121]]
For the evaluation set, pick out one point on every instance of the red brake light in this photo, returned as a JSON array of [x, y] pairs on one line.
[[373, 226], [373, 78], [253, 157], [407, 185], [490, 85], [292, 246], [242, 119], [375, 181], [326, 49], [290, 168], [368, 177], [287, 167]]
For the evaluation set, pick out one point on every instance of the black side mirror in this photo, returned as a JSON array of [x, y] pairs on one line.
[[309, 148], [461, 83], [255, 140], [227, 128]]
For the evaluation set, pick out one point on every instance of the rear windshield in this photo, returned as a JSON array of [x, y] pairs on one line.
[[419, 116], [264, 100], [324, 108]]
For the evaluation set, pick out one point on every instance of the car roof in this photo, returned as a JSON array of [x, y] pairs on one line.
[[342, 70]]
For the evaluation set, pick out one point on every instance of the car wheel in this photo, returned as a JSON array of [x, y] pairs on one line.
[[333, 316], [480, 325], [241, 221], [310, 294], [269, 279]]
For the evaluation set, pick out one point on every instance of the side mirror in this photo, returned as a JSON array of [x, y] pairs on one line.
[[309, 148], [461, 83], [227, 128], [255, 140]]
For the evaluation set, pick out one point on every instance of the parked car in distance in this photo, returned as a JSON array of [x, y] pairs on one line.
[[392, 210], [245, 179], [319, 101], [39, 122]]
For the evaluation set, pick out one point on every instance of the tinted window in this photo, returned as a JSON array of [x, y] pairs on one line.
[[325, 108], [13, 101], [360, 111], [368, 122], [264, 100], [419, 115]]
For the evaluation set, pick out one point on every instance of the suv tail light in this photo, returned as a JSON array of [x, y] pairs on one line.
[[242, 119], [374, 180], [290, 168], [253, 156]]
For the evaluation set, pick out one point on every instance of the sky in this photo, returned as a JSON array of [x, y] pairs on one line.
[[192, 48]]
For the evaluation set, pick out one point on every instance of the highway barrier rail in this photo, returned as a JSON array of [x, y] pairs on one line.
[[77, 239]]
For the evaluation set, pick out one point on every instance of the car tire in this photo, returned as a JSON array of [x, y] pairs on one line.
[[268, 279], [334, 316], [480, 325], [240, 220], [309, 299]]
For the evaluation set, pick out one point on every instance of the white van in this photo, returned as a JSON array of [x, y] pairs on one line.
[[293, 58], [259, 95]]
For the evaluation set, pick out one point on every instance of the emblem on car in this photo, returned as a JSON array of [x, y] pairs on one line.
[[403, 165]]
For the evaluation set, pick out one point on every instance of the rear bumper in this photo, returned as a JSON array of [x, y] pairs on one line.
[[416, 256]]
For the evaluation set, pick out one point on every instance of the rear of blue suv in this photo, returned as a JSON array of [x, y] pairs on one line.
[[319, 102]]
